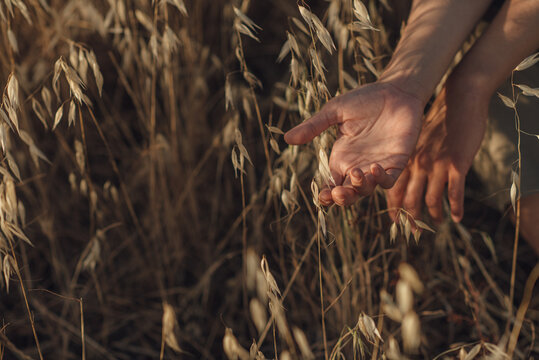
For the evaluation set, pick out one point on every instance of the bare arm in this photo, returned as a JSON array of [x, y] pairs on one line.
[[445, 152], [379, 123], [434, 33], [513, 35]]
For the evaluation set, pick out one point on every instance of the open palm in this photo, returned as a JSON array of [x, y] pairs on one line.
[[378, 126]]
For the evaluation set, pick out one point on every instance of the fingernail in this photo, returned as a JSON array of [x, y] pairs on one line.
[[356, 173]]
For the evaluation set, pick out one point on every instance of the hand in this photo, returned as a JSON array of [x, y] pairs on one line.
[[378, 126], [450, 138]]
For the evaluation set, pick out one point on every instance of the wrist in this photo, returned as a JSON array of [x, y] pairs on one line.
[[406, 81]]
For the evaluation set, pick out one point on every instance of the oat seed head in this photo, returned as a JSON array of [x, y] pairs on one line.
[[411, 334]]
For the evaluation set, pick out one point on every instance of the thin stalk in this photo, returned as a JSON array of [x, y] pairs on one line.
[[322, 295], [517, 215], [23, 290], [528, 293], [82, 336]]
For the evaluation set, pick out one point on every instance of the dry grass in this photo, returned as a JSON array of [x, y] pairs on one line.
[[129, 232]]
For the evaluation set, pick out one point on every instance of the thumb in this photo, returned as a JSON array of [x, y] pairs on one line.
[[310, 128]]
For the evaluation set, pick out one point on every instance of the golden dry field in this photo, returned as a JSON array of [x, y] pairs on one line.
[[150, 208]]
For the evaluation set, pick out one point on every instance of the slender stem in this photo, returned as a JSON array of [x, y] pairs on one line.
[[23, 290], [517, 219], [528, 293], [341, 69], [322, 296], [257, 108], [276, 354], [244, 245], [82, 336]]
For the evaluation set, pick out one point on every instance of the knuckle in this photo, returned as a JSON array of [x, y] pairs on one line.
[[311, 130], [424, 161], [454, 194], [355, 181], [393, 194], [460, 165], [411, 202], [333, 109], [432, 200]]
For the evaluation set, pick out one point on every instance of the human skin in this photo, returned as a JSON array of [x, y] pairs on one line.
[[378, 124], [529, 226], [455, 125], [444, 153]]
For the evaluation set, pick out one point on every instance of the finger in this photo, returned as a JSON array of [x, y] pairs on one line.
[[455, 193], [346, 194], [337, 177], [395, 195], [381, 177], [367, 185], [362, 183], [435, 192], [325, 197], [357, 178], [414, 192], [310, 128]]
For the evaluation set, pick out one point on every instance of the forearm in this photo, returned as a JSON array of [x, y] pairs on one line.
[[434, 33], [512, 36]]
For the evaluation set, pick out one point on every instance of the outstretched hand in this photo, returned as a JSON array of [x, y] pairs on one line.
[[450, 138], [378, 126]]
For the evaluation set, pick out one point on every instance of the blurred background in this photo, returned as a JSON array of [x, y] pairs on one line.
[[151, 209]]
